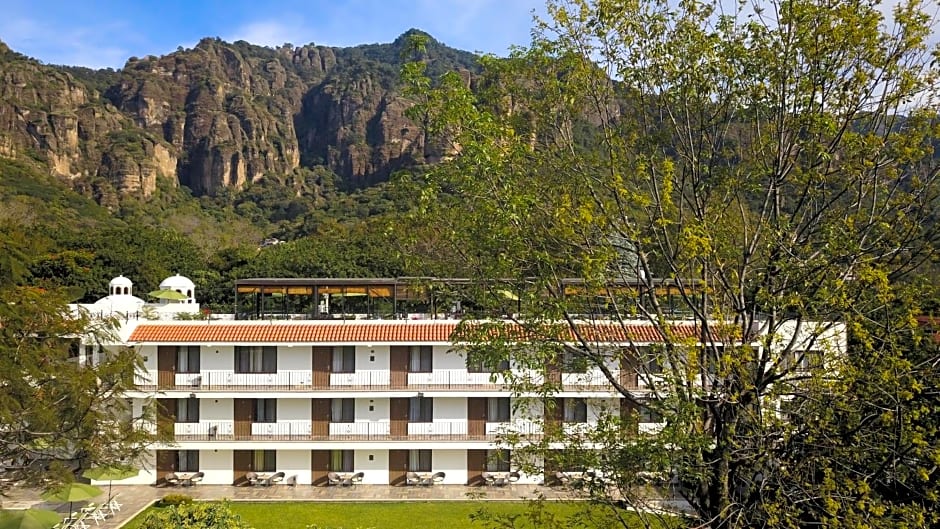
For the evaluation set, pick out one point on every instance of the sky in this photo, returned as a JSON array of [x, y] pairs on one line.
[[104, 33]]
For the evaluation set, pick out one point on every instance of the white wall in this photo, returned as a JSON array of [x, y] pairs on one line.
[[381, 354], [380, 410], [443, 358], [294, 358], [293, 409], [217, 464], [453, 463], [376, 471], [294, 463], [450, 409], [211, 409], [149, 354], [597, 408], [218, 357]]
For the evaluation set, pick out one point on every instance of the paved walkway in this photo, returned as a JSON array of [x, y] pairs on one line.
[[136, 498]]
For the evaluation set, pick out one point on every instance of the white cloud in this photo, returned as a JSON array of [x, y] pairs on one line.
[[99, 46], [270, 33]]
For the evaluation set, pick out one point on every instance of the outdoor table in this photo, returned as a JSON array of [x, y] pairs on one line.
[[264, 478], [186, 478]]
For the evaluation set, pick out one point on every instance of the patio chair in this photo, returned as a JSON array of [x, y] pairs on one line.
[[332, 478], [488, 479], [197, 477], [412, 478], [276, 478], [513, 477], [563, 478], [114, 505], [252, 478], [357, 478], [437, 477], [93, 511], [172, 479]]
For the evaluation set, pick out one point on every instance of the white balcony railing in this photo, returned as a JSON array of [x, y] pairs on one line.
[[281, 428], [519, 427], [365, 429], [204, 428], [453, 377], [370, 377], [438, 428], [592, 377]]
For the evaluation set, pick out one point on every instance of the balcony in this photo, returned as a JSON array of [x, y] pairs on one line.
[[454, 379], [300, 430], [361, 379]]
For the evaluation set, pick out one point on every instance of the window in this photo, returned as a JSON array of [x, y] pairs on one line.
[[573, 362], [652, 363], [421, 409], [187, 460], [497, 460], [803, 360], [419, 359], [419, 460], [187, 410], [476, 364], [575, 410], [343, 410], [265, 410], [255, 359], [344, 359], [264, 460], [650, 414], [187, 359], [497, 409], [342, 460]]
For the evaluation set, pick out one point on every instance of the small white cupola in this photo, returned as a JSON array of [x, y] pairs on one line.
[[182, 285], [121, 286]]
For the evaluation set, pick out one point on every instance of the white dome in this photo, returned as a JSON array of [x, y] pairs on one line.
[[121, 281], [177, 282], [118, 303]]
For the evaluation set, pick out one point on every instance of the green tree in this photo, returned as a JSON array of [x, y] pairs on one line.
[[776, 164], [59, 412], [196, 515]]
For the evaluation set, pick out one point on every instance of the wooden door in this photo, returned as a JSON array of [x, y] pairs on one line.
[[553, 372], [166, 463], [629, 416], [322, 364], [320, 418], [554, 413], [166, 366], [244, 416], [398, 365], [629, 377], [397, 466], [476, 417], [476, 465], [319, 467], [241, 464], [166, 417], [398, 415]]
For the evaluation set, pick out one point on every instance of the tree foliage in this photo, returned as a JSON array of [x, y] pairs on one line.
[[59, 410], [776, 163]]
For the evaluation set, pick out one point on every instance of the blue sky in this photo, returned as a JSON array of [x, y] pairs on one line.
[[104, 33]]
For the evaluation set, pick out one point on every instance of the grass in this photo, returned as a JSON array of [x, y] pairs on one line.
[[408, 515]]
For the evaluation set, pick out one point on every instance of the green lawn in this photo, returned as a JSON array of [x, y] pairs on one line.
[[424, 515]]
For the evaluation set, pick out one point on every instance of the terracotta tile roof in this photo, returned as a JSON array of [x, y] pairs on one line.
[[294, 332], [411, 332]]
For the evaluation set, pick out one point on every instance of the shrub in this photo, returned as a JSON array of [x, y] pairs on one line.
[[171, 500]]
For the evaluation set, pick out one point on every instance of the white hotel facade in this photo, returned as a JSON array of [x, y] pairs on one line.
[[313, 379]]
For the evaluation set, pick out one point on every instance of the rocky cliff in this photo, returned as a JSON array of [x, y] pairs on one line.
[[217, 116]]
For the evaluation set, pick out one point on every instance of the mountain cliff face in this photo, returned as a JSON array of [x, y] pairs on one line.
[[217, 116]]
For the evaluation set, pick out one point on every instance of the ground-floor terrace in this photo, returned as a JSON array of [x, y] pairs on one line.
[[218, 464]]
